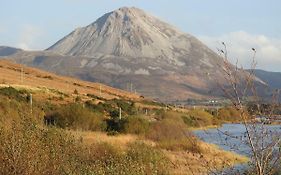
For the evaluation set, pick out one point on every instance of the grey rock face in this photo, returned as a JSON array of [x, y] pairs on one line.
[[130, 32]]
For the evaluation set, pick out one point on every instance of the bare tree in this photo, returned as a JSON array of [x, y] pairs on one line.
[[241, 87]]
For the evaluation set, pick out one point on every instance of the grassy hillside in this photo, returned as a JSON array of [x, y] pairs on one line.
[[26, 77], [77, 131]]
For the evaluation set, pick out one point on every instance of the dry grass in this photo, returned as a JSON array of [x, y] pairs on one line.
[[203, 127], [121, 141], [181, 162], [10, 74], [211, 159]]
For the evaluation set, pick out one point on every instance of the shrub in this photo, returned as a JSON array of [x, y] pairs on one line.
[[189, 143], [11, 109], [95, 97], [75, 116], [12, 93], [27, 148], [77, 99], [115, 125], [172, 134], [228, 114], [128, 107], [190, 121], [153, 103], [150, 160], [136, 125], [114, 114], [128, 125], [139, 159], [160, 114], [111, 107], [100, 107], [199, 118], [48, 77]]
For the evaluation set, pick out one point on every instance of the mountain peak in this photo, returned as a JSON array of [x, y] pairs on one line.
[[123, 14], [127, 31], [130, 46], [129, 9]]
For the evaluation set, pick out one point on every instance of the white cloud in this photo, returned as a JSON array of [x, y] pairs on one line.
[[239, 47], [30, 38]]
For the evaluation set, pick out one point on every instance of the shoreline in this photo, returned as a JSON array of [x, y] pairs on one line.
[[204, 127], [181, 162]]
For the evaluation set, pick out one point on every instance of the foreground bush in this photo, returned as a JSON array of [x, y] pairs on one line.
[[28, 148], [172, 134], [139, 159]]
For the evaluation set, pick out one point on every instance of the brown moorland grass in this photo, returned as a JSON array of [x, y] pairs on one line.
[[210, 159], [120, 141], [11, 74], [180, 162]]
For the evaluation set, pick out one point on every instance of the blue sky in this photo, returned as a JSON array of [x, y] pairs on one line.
[[37, 24]]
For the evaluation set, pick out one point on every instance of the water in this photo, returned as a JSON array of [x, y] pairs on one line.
[[232, 137]]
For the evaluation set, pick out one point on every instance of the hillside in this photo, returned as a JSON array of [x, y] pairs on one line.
[[6, 51], [273, 79], [26, 77], [63, 129]]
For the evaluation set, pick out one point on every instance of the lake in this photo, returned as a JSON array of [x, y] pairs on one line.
[[232, 137]]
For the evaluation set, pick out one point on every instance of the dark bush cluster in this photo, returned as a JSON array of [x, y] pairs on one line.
[[128, 125], [76, 116]]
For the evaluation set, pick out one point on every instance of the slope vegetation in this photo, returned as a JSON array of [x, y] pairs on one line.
[[66, 131]]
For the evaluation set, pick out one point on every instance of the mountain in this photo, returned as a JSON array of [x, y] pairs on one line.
[[273, 79], [6, 51], [128, 32], [132, 50]]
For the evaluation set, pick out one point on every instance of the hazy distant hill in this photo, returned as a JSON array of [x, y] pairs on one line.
[[273, 79], [6, 51]]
